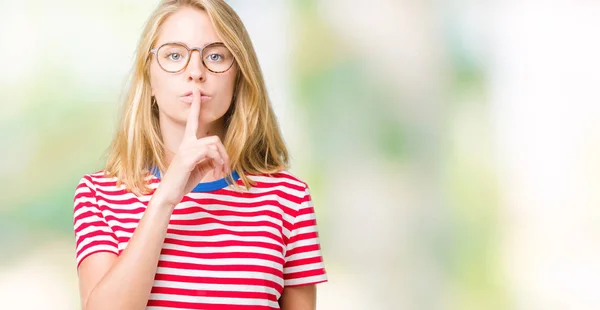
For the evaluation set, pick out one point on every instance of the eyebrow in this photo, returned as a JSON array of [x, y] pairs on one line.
[[183, 43]]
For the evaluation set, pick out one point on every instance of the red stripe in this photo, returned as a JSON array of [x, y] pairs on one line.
[[280, 183], [96, 223], [303, 261], [209, 220], [304, 274], [301, 237], [83, 194], [203, 306], [303, 249], [213, 293]]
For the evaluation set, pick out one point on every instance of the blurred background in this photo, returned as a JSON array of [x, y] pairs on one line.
[[452, 147]]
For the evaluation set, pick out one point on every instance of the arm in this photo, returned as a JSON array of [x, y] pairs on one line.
[[124, 282], [299, 298]]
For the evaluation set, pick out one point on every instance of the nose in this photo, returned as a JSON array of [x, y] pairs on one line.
[[195, 68]]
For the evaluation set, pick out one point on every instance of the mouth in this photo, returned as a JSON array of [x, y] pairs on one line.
[[189, 97]]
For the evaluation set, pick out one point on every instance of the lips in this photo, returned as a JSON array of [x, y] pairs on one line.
[[189, 97]]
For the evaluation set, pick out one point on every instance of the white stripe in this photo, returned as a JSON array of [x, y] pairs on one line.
[[223, 237], [243, 201], [100, 176], [126, 215], [120, 205], [288, 190], [299, 243], [305, 230], [90, 229], [210, 226], [265, 179], [304, 255], [300, 281], [221, 261], [113, 191], [226, 218], [303, 268]]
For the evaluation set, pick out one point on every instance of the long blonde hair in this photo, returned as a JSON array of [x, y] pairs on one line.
[[252, 136]]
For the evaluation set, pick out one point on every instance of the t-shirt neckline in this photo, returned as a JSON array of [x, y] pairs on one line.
[[205, 186]]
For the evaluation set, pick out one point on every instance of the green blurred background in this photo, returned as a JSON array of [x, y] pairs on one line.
[[451, 147]]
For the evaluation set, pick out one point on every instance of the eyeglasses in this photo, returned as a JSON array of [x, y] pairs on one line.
[[174, 57]]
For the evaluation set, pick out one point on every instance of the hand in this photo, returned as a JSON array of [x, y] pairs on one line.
[[194, 160]]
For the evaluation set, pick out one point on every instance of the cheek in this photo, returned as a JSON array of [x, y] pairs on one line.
[[229, 84], [158, 80], [224, 88]]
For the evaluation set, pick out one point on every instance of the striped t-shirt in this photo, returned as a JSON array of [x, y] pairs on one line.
[[224, 249]]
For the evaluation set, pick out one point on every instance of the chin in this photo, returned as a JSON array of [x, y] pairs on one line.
[[207, 119]]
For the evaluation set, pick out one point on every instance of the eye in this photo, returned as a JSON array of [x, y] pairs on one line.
[[174, 56], [215, 57]]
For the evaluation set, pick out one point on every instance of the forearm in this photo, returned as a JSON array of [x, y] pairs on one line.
[[128, 282]]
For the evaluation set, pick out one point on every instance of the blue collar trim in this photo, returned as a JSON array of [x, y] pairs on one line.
[[205, 186]]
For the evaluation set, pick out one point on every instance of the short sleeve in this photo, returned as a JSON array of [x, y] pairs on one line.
[[92, 232], [303, 258]]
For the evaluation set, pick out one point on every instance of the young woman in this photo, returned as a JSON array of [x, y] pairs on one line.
[[195, 208]]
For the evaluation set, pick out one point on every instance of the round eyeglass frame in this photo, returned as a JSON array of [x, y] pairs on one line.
[[190, 50]]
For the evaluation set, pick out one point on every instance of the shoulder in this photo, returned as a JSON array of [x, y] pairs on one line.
[[99, 182], [284, 183], [94, 179], [282, 178]]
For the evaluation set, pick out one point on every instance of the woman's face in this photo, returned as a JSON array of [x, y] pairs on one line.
[[172, 91]]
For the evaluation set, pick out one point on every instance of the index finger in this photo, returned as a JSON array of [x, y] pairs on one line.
[[191, 127]]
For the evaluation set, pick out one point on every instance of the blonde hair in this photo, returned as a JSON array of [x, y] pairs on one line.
[[252, 137]]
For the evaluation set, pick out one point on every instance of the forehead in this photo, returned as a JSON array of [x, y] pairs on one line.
[[190, 26]]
